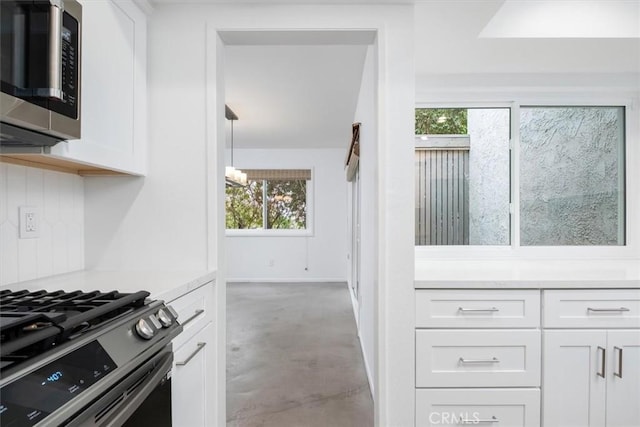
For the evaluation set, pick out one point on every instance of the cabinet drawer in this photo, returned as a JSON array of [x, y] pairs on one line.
[[601, 308], [473, 358], [478, 309], [488, 407], [193, 312], [192, 381]]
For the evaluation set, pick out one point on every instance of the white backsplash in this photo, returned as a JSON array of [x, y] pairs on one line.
[[59, 201]]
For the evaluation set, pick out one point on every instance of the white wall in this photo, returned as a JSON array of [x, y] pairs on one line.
[[366, 114], [464, 69], [489, 176], [59, 199], [448, 45], [160, 221], [168, 220], [394, 323], [454, 63], [319, 257]]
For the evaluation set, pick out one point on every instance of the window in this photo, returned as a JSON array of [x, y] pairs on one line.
[[462, 176], [570, 170], [572, 176], [272, 200]]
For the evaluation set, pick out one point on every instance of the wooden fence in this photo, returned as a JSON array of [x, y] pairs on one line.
[[442, 190]]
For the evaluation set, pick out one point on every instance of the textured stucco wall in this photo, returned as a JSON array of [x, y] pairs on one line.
[[570, 169], [488, 176]]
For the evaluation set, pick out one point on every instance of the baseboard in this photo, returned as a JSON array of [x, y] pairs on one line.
[[372, 388], [356, 307], [287, 280]]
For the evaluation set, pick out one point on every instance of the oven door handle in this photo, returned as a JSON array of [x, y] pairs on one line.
[[106, 411], [142, 392]]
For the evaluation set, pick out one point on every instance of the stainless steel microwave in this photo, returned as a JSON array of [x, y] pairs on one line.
[[40, 72]]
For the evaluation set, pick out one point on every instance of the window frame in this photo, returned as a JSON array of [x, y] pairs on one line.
[[515, 250], [279, 232]]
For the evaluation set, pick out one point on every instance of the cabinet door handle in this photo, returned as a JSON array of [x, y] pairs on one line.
[[492, 360], [604, 310], [195, 314], [603, 362], [493, 419], [619, 373], [477, 310], [192, 355]]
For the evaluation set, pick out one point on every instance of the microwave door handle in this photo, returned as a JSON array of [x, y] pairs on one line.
[[54, 61]]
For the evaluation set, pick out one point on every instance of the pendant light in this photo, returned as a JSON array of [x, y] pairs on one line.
[[233, 177]]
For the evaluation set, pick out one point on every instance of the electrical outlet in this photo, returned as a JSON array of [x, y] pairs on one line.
[[271, 263], [29, 222]]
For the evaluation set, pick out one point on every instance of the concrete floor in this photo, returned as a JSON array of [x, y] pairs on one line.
[[293, 357]]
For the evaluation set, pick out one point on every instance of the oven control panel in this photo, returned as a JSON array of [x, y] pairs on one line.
[[147, 327], [32, 397]]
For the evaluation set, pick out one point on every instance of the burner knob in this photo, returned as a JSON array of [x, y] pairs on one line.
[[173, 312], [144, 329], [164, 318]]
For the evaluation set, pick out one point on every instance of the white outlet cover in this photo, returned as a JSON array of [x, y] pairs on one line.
[[29, 222]]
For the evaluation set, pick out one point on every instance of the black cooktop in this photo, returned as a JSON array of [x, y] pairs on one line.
[[33, 322]]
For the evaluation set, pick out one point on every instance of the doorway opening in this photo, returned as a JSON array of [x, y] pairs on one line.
[[296, 94]]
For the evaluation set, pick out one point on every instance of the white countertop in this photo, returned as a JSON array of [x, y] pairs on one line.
[[162, 285], [530, 274]]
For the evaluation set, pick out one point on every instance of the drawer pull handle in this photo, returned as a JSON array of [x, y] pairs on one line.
[[477, 310], [603, 363], [195, 314], [604, 310], [492, 360], [480, 420], [192, 355], [619, 373]]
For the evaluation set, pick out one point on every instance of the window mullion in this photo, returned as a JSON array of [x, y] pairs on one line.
[[515, 175], [265, 222]]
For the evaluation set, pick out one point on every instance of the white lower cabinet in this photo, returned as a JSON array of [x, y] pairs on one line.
[[189, 381], [499, 357], [478, 358], [574, 391], [193, 382], [592, 308], [623, 386], [495, 407], [591, 378]]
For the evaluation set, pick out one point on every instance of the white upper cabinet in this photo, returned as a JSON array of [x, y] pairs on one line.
[[113, 98]]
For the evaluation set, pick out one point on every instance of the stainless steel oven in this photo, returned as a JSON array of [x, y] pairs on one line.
[[41, 44], [85, 359], [143, 398]]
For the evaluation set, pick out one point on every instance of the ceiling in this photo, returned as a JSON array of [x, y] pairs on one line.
[[293, 96], [302, 92], [460, 37]]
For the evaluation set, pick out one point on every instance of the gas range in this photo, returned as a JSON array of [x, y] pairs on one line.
[[80, 358]]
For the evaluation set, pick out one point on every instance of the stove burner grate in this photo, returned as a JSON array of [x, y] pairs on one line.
[[33, 322]]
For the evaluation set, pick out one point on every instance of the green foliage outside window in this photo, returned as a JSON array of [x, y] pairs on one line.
[[286, 206], [441, 121], [244, 206]]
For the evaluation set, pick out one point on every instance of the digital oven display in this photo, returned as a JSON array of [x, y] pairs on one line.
[[30, 399]]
